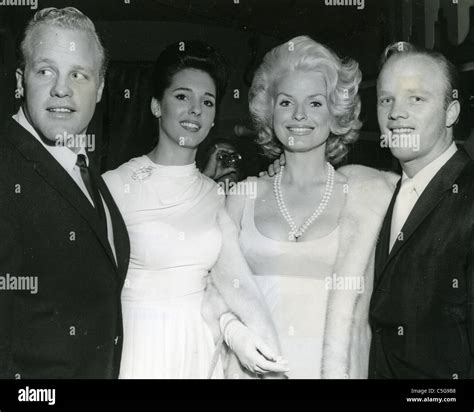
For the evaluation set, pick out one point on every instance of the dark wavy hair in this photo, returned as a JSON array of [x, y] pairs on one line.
[[189, 54]]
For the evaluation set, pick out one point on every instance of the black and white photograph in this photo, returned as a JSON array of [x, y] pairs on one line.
[[242, 199]]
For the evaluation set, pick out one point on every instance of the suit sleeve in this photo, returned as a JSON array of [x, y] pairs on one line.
[[10, 263], [470, 301]]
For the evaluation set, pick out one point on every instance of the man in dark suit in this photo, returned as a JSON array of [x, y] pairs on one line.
[[421, 310], [59, 224]]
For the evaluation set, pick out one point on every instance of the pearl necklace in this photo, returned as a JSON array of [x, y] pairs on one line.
[[296, 232]]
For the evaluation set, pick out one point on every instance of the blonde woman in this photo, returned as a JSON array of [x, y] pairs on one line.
[[309, 235]]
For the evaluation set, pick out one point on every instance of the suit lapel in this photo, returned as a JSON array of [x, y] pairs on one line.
[[439, 186], [121, 240], [54, 174], [383, 245]]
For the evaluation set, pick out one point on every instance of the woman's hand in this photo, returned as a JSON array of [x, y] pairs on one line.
[[252, 352], [274, 167]]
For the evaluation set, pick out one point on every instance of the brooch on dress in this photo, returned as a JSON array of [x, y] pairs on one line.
[[143, 173]]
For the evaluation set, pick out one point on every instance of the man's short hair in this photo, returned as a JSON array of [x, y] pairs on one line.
[[67, 18], [449, 69]]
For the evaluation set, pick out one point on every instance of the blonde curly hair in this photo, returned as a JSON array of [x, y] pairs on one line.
[[342, 79]]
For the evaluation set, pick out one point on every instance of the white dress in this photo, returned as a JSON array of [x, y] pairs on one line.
[[170, 213], [292, 277]]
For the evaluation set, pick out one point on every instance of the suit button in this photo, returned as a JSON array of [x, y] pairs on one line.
[[116, 340], [378, 329]]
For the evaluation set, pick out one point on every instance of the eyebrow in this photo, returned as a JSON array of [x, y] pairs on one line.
[[414, 91], [420, 91], [191, 90], [84, 68], [310, 97], [44, 60], [49, 61]]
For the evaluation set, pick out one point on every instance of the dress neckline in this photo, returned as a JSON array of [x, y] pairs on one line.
[[324, 238], [251, 218], [171, 170]]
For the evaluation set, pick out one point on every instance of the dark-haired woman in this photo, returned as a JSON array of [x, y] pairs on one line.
[[174, 218]]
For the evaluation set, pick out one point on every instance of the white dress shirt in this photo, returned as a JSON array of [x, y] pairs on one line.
[[412, 188], [67, 159]]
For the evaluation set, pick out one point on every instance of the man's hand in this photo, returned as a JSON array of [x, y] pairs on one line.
[[274, 167], [216, 169]]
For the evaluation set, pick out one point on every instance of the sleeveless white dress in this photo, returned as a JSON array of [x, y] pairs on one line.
[[171, 216], [293, 279]]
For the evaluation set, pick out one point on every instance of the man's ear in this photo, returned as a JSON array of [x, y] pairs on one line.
[[20, 82], [100, 90], [155, 107], [452, 113]]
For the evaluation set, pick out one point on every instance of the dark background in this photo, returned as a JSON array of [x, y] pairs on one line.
[[135, 31]]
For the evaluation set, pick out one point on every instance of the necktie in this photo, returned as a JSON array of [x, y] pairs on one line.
[[92, 188], [404, 204]]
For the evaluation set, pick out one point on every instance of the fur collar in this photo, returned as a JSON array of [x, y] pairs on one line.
[[347, 333]]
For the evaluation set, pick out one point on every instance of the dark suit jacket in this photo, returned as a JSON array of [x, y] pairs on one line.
[[468, 146], [72, 327], [421, 311]]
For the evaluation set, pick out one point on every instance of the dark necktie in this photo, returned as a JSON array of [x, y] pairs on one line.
[[93, 189]]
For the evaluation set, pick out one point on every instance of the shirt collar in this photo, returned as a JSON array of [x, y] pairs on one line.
[[425, 175], [64, 156]]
